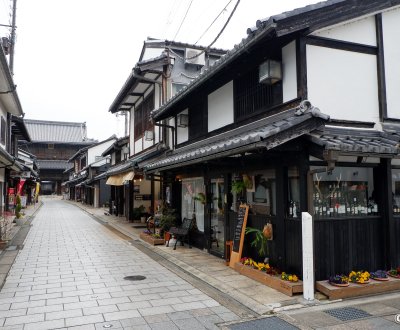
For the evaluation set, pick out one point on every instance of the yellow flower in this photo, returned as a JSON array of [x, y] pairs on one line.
[[295, 279], [290, 277], [361, 280]]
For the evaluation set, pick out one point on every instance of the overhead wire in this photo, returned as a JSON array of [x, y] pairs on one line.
[[213, 21], [183, 20], [171, 16], [218, 35]]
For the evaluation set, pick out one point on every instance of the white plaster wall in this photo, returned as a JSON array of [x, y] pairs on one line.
[[151, 53], [220, 107], [98, 150], [171, 122], [343, 84], [391, 28], [361, 31], [182, 133], [132, 131], [289, 74], [138, 146], [147, 144], [3, 113]]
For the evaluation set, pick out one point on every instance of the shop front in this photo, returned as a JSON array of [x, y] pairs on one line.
[[348, 185]]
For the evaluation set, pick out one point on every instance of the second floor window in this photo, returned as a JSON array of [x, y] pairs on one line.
[[142, 116], [252, 97]]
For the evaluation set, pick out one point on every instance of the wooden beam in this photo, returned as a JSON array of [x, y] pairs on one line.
[[381, 69], [342, 45], [136, 94]]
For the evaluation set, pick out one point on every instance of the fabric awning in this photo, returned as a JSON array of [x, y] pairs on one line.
[[119, 179]]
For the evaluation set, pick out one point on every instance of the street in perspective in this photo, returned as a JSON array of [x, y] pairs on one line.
[[199, 164], [79, 269]]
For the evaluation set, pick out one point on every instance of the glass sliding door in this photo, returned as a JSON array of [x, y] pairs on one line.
[[217, 215]]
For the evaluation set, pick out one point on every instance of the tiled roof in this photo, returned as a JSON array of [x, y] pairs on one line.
[[120, 168], [265, 134], [56, 131], [308, 18], [355, 141], [54, 164]]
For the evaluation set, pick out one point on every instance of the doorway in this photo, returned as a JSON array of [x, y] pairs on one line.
[[217, 216]]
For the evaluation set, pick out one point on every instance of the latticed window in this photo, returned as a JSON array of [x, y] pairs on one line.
[[251, 96], [142, 116]]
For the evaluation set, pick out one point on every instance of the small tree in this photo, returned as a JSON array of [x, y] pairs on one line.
[[18, 207]]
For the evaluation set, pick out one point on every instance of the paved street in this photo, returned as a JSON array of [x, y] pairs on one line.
[[70, 274]]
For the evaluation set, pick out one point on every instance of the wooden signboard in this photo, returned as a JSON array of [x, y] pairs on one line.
[[238, 237]]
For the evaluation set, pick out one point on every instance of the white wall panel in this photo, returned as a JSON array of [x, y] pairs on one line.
[[289, 74], [131, 132], [98, 150], [343, 84], [361, 31], [391, 41], [182, 133], [138, 146], [220, 107]]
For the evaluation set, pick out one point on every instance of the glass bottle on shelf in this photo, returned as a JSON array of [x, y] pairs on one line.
[[294, 210]]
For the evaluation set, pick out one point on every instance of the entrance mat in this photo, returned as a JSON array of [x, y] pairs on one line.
[[347, 313], [264, 323]]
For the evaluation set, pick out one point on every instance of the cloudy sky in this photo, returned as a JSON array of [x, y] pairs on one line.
[[73, 56]]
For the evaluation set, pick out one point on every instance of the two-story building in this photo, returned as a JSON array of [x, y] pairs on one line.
[[53, 143], [9, 106], [302, 115], [164, 68], [87, 164]]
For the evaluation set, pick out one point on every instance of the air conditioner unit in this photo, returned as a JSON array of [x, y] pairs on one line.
[[195, 56], [149, 135], [182, 120]]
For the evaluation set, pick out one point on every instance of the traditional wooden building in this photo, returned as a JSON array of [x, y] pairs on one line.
[[300, 116], [164, 68], [88, 163], [53, 143]]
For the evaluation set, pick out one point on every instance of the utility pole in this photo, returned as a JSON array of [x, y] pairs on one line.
[[12, 41]]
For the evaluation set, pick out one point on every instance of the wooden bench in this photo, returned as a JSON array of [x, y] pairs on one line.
[[181, 233]]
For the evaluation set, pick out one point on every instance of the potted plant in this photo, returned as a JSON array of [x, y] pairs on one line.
[[260, 242], [167, 219]]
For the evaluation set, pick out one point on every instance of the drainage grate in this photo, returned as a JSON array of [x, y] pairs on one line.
[[135, 278], [347, 313], [264, 323]]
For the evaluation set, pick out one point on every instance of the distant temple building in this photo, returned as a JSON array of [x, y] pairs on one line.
[[53, 143]]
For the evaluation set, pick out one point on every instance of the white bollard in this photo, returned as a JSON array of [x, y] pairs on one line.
[[308, 255]]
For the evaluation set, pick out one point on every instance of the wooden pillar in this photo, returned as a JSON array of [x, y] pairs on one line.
[[281, 204], [386, 205]]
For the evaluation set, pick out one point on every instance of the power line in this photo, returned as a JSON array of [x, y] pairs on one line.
[[190, 4], [219, 34], [213, 21]]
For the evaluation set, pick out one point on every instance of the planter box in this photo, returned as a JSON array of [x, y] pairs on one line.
[[151, 240], [275, 282], [356, 290]]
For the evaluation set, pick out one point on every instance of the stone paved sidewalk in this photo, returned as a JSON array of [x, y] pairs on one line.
[[71, 274], [259, 298]]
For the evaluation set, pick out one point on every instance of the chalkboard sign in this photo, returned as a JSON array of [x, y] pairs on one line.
[[238, 236], [242, 214]]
